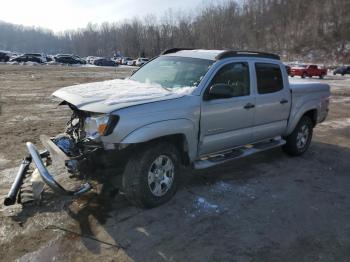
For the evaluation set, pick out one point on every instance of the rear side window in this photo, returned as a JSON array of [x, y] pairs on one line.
[[269, 78], [236, 75]]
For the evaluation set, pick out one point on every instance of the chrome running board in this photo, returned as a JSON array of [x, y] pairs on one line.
[[236, 153]]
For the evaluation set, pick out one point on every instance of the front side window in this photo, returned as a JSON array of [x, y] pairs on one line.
[[268, 77], [236, 76]]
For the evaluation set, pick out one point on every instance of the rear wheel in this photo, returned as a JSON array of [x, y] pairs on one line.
[[299, 140], [151, 176]]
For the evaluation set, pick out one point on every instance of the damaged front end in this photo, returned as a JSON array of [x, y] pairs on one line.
[[75, 149]]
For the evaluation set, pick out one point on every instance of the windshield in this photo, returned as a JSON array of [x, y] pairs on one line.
[[173, 72]]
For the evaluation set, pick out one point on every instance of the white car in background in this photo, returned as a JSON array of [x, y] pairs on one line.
[[141, 61], [127, 61]]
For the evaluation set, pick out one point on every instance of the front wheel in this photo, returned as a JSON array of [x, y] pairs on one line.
[[299, 140], [151, 176]]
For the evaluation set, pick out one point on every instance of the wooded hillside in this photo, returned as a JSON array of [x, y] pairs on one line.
[[310, 30]]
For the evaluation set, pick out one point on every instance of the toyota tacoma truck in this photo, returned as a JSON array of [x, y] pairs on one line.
[[308, 71], [184, 108]]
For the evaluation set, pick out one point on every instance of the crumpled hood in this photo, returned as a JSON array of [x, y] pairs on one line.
[[108, 96]]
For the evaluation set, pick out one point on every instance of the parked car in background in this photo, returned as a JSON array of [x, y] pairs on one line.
[[103, 61], [50, 58], [90, 59], [141, 61], [308, 71], [342, 70], [42, 57], [4, 56], [288, 68], [126, 60], [131, 62], [69, 59], [27, 58], [117, 59]]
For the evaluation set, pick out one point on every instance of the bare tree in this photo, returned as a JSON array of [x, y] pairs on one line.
[[295, 29]]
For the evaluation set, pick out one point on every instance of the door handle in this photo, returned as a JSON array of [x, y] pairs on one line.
[[249, 106], [284, 101]]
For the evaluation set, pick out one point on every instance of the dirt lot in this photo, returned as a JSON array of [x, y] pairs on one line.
[[268, 207]]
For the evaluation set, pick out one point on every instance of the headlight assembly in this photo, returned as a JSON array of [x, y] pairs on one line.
[[100, 125]]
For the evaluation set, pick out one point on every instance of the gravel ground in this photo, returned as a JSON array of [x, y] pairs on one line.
[[268, 207]]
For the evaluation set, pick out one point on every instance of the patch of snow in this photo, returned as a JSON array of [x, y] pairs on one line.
[[31, 63], [121, 91], [202, 203], [3, 161], [221, 187], [20, 118], [343, 99], [336, 124]]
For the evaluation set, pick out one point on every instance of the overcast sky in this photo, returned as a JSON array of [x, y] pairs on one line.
[[60, 15]]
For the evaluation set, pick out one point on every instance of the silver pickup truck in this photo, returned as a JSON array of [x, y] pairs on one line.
[[184, 108]]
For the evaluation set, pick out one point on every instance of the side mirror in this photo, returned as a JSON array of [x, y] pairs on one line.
[[219, 91]]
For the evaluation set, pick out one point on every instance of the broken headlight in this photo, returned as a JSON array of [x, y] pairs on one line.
[[100, 125]]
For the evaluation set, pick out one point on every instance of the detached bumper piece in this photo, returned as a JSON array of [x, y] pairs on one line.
[[48, 179], [12, 195], [36, 157]]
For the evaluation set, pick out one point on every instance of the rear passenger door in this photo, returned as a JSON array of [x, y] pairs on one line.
[[272, 101]]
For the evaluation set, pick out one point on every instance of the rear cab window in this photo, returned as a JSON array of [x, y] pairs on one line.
[[268, 77]]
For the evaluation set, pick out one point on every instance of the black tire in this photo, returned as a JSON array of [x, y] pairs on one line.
[[303, 75], [135, 181], [321, 76], [293, 146]]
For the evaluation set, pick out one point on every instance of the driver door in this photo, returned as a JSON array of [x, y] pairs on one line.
[[227, 122]]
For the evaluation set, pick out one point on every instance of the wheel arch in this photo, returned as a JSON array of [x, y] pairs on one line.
[[311, 112], [180, 132]]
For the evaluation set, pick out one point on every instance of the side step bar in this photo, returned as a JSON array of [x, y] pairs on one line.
[[236, 153]]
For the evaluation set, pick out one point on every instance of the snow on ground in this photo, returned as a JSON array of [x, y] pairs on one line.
[[202, 203], [212, 201], [336, 124], [340, 99], [3, 161], [221, 187]]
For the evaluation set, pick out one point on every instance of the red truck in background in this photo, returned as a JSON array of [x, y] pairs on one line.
[[308, 71]]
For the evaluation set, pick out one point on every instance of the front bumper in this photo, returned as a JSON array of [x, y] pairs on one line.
[[48, 179], [36, 157]]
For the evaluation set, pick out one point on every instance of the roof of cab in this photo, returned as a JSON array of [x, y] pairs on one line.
[[216, 54], [196, 53]]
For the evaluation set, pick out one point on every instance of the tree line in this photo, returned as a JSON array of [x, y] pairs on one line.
[[312, 30]]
